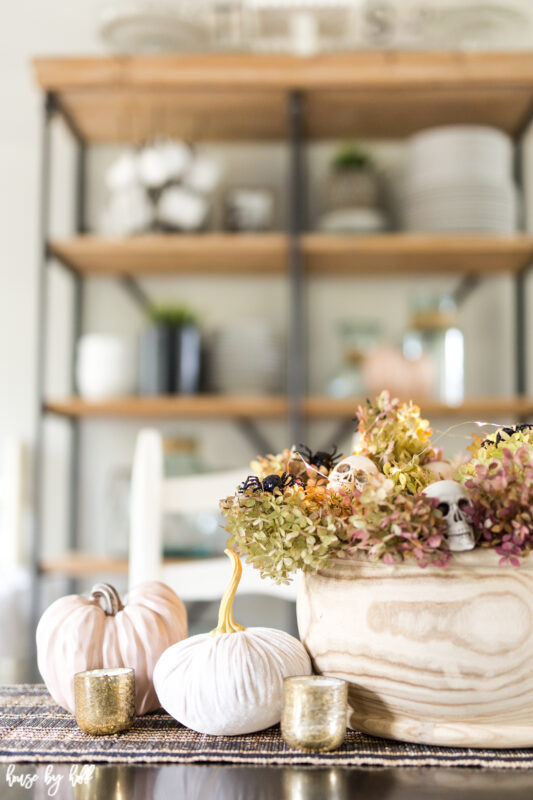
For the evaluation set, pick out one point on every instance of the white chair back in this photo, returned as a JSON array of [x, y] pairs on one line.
[[153, 495]]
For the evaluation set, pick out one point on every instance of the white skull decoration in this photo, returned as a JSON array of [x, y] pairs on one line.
[[351, 474], [452, 501]]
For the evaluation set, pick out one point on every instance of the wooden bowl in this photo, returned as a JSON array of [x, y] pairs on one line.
[[433, 656]]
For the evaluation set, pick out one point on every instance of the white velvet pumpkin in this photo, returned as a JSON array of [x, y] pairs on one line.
[[229, 681], [78, 633]]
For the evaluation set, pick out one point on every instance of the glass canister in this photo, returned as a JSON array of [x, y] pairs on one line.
[[434, 332], [356, 339], [181, 457]]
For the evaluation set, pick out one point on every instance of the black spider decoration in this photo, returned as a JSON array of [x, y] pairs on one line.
[[321, 458], [509, 430], [268, 484]]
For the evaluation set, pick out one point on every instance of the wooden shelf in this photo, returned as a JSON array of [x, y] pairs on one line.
[[79, 565], [478, 409], [198, 406], [419, 254], [243, 96], [315, 407], [266, 254], [169, 254]]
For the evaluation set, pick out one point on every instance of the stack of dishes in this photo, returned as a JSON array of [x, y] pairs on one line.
[[459, 179], [151, 26], [246, 358]]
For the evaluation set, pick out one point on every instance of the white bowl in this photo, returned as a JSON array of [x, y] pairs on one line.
[[459, 152]]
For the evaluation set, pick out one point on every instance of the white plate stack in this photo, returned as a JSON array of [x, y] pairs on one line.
[[459, 180], [246, 358]]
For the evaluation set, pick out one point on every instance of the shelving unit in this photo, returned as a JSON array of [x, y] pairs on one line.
[[243, 97]]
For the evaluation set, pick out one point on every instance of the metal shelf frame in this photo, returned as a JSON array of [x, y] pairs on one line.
[[297, 360]]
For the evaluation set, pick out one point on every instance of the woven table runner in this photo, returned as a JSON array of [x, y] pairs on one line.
[[34, 729]]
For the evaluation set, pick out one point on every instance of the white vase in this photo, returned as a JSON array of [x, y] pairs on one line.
[[106, 366]]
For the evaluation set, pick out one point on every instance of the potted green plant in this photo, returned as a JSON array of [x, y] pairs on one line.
[[353, 180], [435, 643], [170, 352]]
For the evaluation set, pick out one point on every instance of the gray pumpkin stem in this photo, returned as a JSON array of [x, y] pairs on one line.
[[111, 602]]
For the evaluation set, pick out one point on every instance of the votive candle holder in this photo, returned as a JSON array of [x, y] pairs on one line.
[[313, 715], [104, 700]]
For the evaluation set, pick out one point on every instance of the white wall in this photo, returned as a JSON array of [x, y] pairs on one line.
[[29, 28], [43, 27]]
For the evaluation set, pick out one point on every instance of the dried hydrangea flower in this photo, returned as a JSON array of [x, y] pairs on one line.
[[491, 447], [391, 527], [306, 525], [398, 440], [501, 491], [281, 532]]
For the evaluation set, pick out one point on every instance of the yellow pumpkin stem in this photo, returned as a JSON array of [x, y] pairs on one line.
[[226, 621]]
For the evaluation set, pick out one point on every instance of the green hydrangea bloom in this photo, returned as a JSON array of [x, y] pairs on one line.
[[280, 533], [398, 440]]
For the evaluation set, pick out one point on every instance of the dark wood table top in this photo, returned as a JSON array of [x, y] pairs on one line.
[[212, 782]]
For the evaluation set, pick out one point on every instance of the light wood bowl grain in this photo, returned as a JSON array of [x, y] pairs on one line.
[[433, 656]]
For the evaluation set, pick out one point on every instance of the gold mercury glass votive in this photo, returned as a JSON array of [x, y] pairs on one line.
[[313, 716], [104, 700]]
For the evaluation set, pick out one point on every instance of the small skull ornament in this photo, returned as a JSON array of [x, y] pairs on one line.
[[351, 474], [452, 501]]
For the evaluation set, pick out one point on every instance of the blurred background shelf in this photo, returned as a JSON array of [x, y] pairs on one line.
[[174, 254], [315, 407], [324, 254], [478, 407], [240, 96], [199, 406], [79, 564], [407, 253]]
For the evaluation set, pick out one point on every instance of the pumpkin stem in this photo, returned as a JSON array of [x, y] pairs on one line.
[[111, 602], [226, 622]]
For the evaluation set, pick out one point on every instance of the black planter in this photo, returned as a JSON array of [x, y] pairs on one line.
[[155, 360], [187, 359], [169, 360]]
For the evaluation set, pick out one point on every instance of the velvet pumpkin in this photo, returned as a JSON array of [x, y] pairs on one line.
[[229, 681], [78, 633]]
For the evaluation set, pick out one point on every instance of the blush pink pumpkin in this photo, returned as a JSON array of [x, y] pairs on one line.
[[77, 633]]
